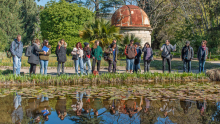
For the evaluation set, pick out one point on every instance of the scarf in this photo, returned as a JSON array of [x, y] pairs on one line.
[[204, 47]]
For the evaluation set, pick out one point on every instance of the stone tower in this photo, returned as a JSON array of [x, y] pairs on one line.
[[133, 20]]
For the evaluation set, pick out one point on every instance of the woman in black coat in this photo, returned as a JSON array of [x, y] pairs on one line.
[[61, 55], [34, 59]]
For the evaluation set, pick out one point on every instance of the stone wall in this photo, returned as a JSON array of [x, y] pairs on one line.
[[143, 33]]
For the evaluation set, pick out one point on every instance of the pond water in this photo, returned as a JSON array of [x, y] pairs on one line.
[[134, 104]]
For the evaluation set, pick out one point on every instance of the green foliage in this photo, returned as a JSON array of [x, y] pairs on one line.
[[100, 30], [63, 20], [129, 37]]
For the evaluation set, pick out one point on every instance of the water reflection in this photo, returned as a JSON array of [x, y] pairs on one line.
[[87, 109]]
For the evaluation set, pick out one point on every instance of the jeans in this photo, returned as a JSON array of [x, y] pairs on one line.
[[43, 66], [79, 62], [80, 95], [98, 64], [147, 65], [87, 62], [33, 68], [130, 64], [44, 98], [201, 66], [185, 62], [16, 65], [110, 63], [58, 68], [169, 63], [136, 67]]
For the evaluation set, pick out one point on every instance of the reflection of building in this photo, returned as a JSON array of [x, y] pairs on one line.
[[133, 20]]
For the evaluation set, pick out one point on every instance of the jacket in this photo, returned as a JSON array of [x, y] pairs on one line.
[[145, 53], [61, 52], [130, 52], [117, 51], [199, 53], [34, 58], [74, 52], [16, 48], [166, 52], [86, 52], [138, 56], [45, 57], [97, 53], [111, 54], [186, 53]]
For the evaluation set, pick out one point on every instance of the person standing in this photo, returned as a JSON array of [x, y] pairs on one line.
[[96, 55], [148, 56], [202, 55], [78, 51], [137, 58], [16, 51], [166, 55], [187, 55], [44, 58], [33, 60], [114, 41], [86, 58], [130, 53], [61, 55], [112, 59]]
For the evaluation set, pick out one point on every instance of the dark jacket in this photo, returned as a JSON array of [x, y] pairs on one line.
[[110, 46], [186, 53], [86, 52], [34, 58], [145, 53], [16, 48], [45, 57], [111, 57], [138, 56], [199, 53], [97, 53], [61, 52], [130, 52]]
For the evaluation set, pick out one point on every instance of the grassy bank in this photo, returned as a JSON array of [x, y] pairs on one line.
[[103, 79]]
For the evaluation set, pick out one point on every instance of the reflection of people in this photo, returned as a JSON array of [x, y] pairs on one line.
[[131, 107], [201, 106], [185, 105], [61, 108], [17, 114], [166, 108], [147, 101], [32, 108]]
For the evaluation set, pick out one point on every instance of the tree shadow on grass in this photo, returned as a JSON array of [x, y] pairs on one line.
[[5, 72]]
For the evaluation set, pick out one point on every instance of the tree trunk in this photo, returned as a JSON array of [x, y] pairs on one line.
[[97, 8]]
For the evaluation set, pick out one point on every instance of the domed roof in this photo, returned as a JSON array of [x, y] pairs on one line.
[[130, 16]]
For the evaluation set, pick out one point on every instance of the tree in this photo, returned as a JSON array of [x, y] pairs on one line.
[[63, 20], [10, 22], [29, 15], [100, 30]]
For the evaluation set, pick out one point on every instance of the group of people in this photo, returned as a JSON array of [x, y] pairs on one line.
[[82, 56]]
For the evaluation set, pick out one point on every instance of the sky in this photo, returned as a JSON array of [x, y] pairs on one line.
[[43, 2]]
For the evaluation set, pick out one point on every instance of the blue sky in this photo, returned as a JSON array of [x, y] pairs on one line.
[[43, 2]]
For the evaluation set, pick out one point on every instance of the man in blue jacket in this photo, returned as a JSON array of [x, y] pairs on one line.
[[16, 51]]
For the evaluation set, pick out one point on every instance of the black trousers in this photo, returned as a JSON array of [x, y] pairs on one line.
[[164, 63], [98, 64], [110, 63], [33, 68]]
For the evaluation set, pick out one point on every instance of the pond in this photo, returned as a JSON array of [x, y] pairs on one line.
[[134, 104]]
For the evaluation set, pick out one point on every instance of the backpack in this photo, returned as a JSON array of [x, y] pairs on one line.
[[9, 54], [28, 51]]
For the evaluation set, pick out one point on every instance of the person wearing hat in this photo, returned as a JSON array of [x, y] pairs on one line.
[[86, 58], [44, 58], [137, 58], [187, 55], [130, 52]]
